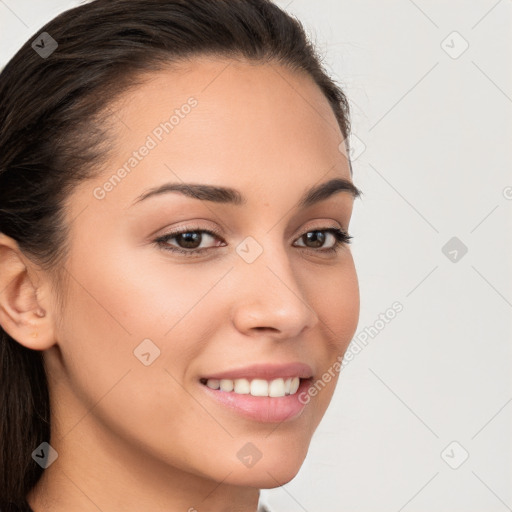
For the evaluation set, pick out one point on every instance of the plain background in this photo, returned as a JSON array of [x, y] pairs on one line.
[[421, 418]]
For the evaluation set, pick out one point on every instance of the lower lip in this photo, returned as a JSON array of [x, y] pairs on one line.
[[262, 408]]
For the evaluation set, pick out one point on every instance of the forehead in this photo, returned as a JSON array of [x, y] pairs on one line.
[[252, 126]]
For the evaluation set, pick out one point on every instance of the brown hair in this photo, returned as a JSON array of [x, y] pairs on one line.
[[53, 130]]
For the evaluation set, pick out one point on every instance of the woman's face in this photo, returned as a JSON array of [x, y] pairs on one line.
[[142, 325]]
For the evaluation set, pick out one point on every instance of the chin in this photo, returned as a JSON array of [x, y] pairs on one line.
[[267, 475]]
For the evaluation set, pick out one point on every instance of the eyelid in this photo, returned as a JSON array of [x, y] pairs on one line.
[[341, 236], [215, 231], [192, 227]]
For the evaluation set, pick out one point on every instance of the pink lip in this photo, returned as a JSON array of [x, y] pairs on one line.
[[265, 371], [262, 408]]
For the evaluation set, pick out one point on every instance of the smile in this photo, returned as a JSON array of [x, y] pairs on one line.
[[256, 387]]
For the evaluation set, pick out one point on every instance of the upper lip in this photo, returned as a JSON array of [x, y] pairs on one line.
[[265, 371]]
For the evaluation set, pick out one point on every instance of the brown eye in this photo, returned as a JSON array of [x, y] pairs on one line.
[[187, 241], [316, 239]]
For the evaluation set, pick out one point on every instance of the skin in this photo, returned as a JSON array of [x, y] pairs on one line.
[[132, 437]]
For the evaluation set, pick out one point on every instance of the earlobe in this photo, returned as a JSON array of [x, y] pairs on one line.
[[22, 316]]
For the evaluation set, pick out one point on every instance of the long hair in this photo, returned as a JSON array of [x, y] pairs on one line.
[[54, 120]]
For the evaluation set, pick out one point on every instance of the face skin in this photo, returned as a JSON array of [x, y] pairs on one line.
[[133, 437]]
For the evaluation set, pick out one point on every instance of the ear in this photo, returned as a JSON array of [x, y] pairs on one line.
[[25, 311]]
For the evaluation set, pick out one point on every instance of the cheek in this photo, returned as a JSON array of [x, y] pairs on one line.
[[137, 293], [337, 303], [112, 306], [118, 300], [348, 307], [334, 294]]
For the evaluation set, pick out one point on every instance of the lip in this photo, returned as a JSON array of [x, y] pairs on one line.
[[264, 371], [263, 409]]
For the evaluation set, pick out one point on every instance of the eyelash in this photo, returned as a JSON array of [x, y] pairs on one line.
[[341, 238]]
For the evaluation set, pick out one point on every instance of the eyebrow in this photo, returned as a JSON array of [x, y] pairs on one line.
[[228, 195]]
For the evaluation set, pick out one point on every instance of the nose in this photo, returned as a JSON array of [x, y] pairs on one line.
[[270, 298]]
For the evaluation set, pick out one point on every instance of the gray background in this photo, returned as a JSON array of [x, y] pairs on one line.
[[432, 131]]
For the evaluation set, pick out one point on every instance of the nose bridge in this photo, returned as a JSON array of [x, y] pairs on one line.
[[270, 295]]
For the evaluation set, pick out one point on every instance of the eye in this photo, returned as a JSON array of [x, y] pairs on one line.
[[318, 237], [190, 239]]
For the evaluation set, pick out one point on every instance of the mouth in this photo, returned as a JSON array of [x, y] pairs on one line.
[[272, 402], [274, 388]]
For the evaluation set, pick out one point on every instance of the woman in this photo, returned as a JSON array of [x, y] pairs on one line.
[[176, 286]]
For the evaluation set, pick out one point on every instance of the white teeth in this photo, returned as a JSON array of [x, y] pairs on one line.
[[276, 388], [242, 386], [213, 383], [226, 385], [294, 385], [257, 387]]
